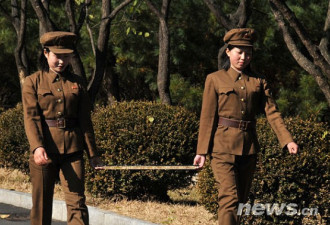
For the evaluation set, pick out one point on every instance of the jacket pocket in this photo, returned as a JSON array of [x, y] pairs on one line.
[[44, 92], [226, 90], [45, 98]]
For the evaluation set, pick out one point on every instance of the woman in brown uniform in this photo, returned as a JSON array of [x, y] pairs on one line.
[[231, 99], [58, 126]]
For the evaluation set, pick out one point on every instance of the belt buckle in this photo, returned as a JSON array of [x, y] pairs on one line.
[[60, 123], [242, 125]]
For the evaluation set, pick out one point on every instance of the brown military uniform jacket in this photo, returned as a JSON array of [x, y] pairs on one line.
[[48, 95], [236, 96]]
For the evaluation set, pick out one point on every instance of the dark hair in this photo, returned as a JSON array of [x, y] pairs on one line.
[[43, 63], [226, 61]]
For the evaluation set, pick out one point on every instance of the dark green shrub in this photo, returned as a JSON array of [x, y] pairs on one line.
[[283, 178], [14, 147], [142, 133]]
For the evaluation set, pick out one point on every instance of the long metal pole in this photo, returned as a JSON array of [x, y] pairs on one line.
[[141, 167]]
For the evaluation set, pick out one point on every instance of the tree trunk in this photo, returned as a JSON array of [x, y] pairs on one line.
[[41, 10], [163, 76], [102, 46], [111, 84], [18, 19], [319, 67], [101, 50]]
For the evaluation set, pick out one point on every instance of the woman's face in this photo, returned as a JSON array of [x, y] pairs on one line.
[[57, 62], [239, 57]]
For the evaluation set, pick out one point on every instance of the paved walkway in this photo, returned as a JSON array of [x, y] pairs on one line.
[[23, 202], [12, 215]]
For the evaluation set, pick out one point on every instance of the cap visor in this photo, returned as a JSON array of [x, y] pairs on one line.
[[60, 50], [240, 43]]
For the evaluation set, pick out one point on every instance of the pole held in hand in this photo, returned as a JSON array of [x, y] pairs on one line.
[[156, 167]]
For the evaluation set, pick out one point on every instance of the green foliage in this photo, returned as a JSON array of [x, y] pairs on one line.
[[14, 147], [307, 101], [142, 133], [283, 178], [184, 94]]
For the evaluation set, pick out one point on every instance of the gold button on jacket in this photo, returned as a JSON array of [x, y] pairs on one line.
[[222, 97], [49, 96]]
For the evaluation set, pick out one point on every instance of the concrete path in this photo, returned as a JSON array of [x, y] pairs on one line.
[[24, 202], [12, 215]]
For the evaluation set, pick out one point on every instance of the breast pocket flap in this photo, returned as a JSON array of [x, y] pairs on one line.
[[42, 91], [226, 90]]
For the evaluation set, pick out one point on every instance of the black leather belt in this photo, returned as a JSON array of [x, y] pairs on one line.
[[241, 124], [62, 123]]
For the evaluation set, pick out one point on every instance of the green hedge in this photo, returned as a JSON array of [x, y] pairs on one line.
[[283, 178], [127, 133], [143, 133], [14, 147]]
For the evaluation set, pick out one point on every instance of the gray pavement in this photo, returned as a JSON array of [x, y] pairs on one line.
[[20, 203], [13, 215]]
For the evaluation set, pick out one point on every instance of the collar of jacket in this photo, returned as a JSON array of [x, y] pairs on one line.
[[235, 74], [52, 75]]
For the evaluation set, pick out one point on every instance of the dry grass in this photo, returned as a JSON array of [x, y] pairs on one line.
[[183, 210]]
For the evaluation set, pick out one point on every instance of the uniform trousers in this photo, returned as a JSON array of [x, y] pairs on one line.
[[69, 168], [233, 175]]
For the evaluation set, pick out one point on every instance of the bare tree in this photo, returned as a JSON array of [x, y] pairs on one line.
[[317, 63], [42, 11], [75, 27], [163, 76], [18, 20], [235, 20], [102, 46]]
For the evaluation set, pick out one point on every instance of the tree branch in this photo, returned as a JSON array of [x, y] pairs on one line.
[[43, 16], [21, 54], [90, 33], [118, 8], [154, 9], [83, 14], [22, 26], [219, 15], [15, 15], [306, 64], [242, 14], [70, 13], [165, 8], [294, 23], [325, 40], [302, 34]]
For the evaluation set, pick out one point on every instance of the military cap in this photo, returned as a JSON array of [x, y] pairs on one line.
[[240, 37], [59, 42]]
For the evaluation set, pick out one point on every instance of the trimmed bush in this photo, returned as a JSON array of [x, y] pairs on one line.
[[142, 133], [14, 147], [283, 178]]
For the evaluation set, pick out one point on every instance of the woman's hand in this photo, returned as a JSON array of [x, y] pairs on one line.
[[40, 156], [96, 162], [199, 160], [292, 148]]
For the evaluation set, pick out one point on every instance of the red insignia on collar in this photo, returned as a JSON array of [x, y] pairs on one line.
[[74, 87]]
